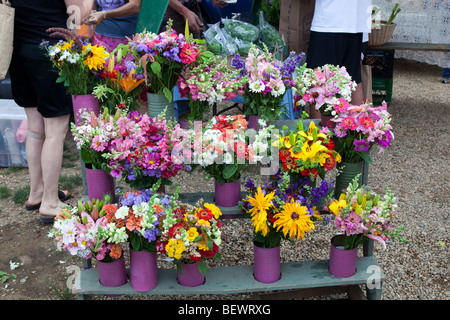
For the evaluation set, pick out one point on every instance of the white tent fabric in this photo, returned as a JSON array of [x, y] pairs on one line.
[[420, 21]]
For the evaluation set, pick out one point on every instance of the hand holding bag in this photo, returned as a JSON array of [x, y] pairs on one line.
[[6, 36]]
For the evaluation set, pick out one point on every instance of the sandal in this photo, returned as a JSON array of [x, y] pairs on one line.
[[63, 196], [46, 218]]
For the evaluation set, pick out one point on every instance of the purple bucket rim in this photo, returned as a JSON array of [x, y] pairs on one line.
[[189, 266]]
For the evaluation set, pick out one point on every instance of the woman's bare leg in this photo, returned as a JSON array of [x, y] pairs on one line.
[[51, 161], [33, 147]]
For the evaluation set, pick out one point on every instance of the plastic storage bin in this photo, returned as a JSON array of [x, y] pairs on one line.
[[382, 90], [13, 130], [382, 62]]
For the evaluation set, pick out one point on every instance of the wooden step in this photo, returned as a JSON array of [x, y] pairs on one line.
[[238, 279]]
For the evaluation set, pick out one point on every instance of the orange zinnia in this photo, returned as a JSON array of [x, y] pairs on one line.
[[134, 222], [116, 251]]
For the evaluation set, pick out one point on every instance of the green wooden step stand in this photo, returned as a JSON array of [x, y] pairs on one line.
[[298, 279]]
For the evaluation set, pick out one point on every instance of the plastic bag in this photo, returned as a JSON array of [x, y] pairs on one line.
[[217, 41], [270, 36], [241, 30], [242, 47]]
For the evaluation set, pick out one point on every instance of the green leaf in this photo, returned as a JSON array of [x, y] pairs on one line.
[[85, 156], [156, 68], [202, 267], [365, 156], [135, 243], [168, 94], [229, 170], [179, 269]]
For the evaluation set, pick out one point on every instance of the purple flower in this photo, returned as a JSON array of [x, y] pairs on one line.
[[142, 48], [165, 201], [340, 131], [173, 54], [150, 235], [385, 139], [361, 145]]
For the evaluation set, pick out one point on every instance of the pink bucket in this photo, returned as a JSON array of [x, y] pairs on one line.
[[112, 274], [143, 270], [266, 264], [99, 184], [342, 262], [253, 122], [88, 102], [191, 277], [227, 194]]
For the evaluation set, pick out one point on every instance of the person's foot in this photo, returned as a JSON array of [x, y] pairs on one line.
[[446, 80], [33, 204], [48, 212]]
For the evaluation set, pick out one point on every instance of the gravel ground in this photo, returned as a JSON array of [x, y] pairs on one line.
[[415, 167]]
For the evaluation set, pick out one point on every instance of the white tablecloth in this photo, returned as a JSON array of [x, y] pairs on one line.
[[420, 21]]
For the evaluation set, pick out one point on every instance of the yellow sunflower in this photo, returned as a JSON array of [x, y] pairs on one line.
[[294, 220], [260, 204], [94, 57]]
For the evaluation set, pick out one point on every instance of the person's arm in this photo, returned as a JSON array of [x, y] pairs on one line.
[[194, 22], [85, 7], [132, 7]]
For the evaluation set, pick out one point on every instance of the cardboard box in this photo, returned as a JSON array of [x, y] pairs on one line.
[[295, 23], [13, 128]]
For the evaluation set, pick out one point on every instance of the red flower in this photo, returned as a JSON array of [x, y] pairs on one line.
[[188, 53], [195, 258], [329, 163], [176, 229], [204, 214], [209, 253]]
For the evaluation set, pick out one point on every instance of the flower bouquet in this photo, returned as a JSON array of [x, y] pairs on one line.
[[307, 153], [268, 80], [78, 63], [276, 213], [162, 57], [223, 148], [359, 128], [209, 80], [90, 229], [279, 211], [360, 214], [191, 234], [143, 211], [121, 82], [146, 150], [323, 87], [94, 137]]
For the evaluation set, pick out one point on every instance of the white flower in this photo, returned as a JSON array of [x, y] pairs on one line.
[[228, 158], [257, 86], [278, 91], [140, 209], [122, 212], [13, 265]]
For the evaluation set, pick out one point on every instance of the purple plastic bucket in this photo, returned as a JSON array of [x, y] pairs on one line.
[[266, 268], [112, 274], [143, 270], [342, 262], [227, 194], [99, 184], [88, 102], [253, 122], [191, 277]]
